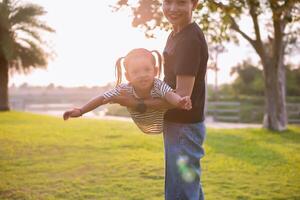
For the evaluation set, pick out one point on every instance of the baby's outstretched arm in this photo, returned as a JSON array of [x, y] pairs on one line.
[[91, 105], [75, 112]]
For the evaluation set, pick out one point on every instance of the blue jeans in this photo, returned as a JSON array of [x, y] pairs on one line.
[[183, 150]]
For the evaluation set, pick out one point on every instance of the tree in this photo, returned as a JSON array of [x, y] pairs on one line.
[[249, 80], [215, 50], [222, 19], [21, 45]]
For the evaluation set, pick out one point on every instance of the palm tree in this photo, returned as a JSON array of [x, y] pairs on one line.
[[21, 45]]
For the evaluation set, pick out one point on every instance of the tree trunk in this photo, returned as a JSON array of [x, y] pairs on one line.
[[3, 85], [275, 117]]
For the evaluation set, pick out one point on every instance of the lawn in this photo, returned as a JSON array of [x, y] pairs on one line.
[[43, 157]]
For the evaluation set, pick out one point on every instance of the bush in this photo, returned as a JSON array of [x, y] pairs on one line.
[[117, 110]]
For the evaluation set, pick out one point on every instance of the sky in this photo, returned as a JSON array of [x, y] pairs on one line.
[[90, 37]]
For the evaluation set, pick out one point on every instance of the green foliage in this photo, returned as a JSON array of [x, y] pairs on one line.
[[117, 110], [21, 44], [250, 110], [224, 21], [44, 157], [293, 81], [249, 79], [248, 89], [216, 18]]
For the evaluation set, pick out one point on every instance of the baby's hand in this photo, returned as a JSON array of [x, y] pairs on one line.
[[76, 112], [185, 103]]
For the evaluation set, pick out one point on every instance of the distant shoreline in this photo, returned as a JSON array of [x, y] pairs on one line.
[[209, 123], [87, 115]]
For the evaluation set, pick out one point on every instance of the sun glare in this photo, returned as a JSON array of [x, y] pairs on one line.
[[88, 40]]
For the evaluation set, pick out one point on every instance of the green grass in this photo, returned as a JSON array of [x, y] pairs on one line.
[[43, 157]]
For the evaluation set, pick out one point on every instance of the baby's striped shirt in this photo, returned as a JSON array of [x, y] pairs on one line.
[[150, 122]]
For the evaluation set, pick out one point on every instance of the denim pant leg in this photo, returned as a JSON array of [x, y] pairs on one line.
[[183, 140]]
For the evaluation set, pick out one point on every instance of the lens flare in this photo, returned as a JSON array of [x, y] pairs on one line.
[[187, 173]]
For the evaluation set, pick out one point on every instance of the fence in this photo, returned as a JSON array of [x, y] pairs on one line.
[[220, 111], [232, 111]]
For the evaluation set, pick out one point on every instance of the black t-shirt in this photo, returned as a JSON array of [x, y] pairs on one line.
[[186, 53]]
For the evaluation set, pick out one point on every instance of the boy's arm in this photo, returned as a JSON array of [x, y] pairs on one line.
[[184, 85], [180, 99]]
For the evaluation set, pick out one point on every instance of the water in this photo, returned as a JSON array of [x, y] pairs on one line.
[[57, 109]]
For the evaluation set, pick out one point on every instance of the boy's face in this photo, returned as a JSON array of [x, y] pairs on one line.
[[141, 72], [179, 12]]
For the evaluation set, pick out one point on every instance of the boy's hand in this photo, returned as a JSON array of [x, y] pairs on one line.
[[76, 112], [185, 103]]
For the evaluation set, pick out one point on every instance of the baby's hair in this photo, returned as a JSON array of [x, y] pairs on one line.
[[123, 61]]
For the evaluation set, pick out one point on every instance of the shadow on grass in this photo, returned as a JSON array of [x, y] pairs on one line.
[[243, 148], [290, 136]]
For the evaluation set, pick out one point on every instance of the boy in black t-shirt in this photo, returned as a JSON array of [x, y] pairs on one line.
[[186, 54], [185, 57]]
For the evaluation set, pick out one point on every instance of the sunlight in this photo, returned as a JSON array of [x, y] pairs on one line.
[[88, 40]]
